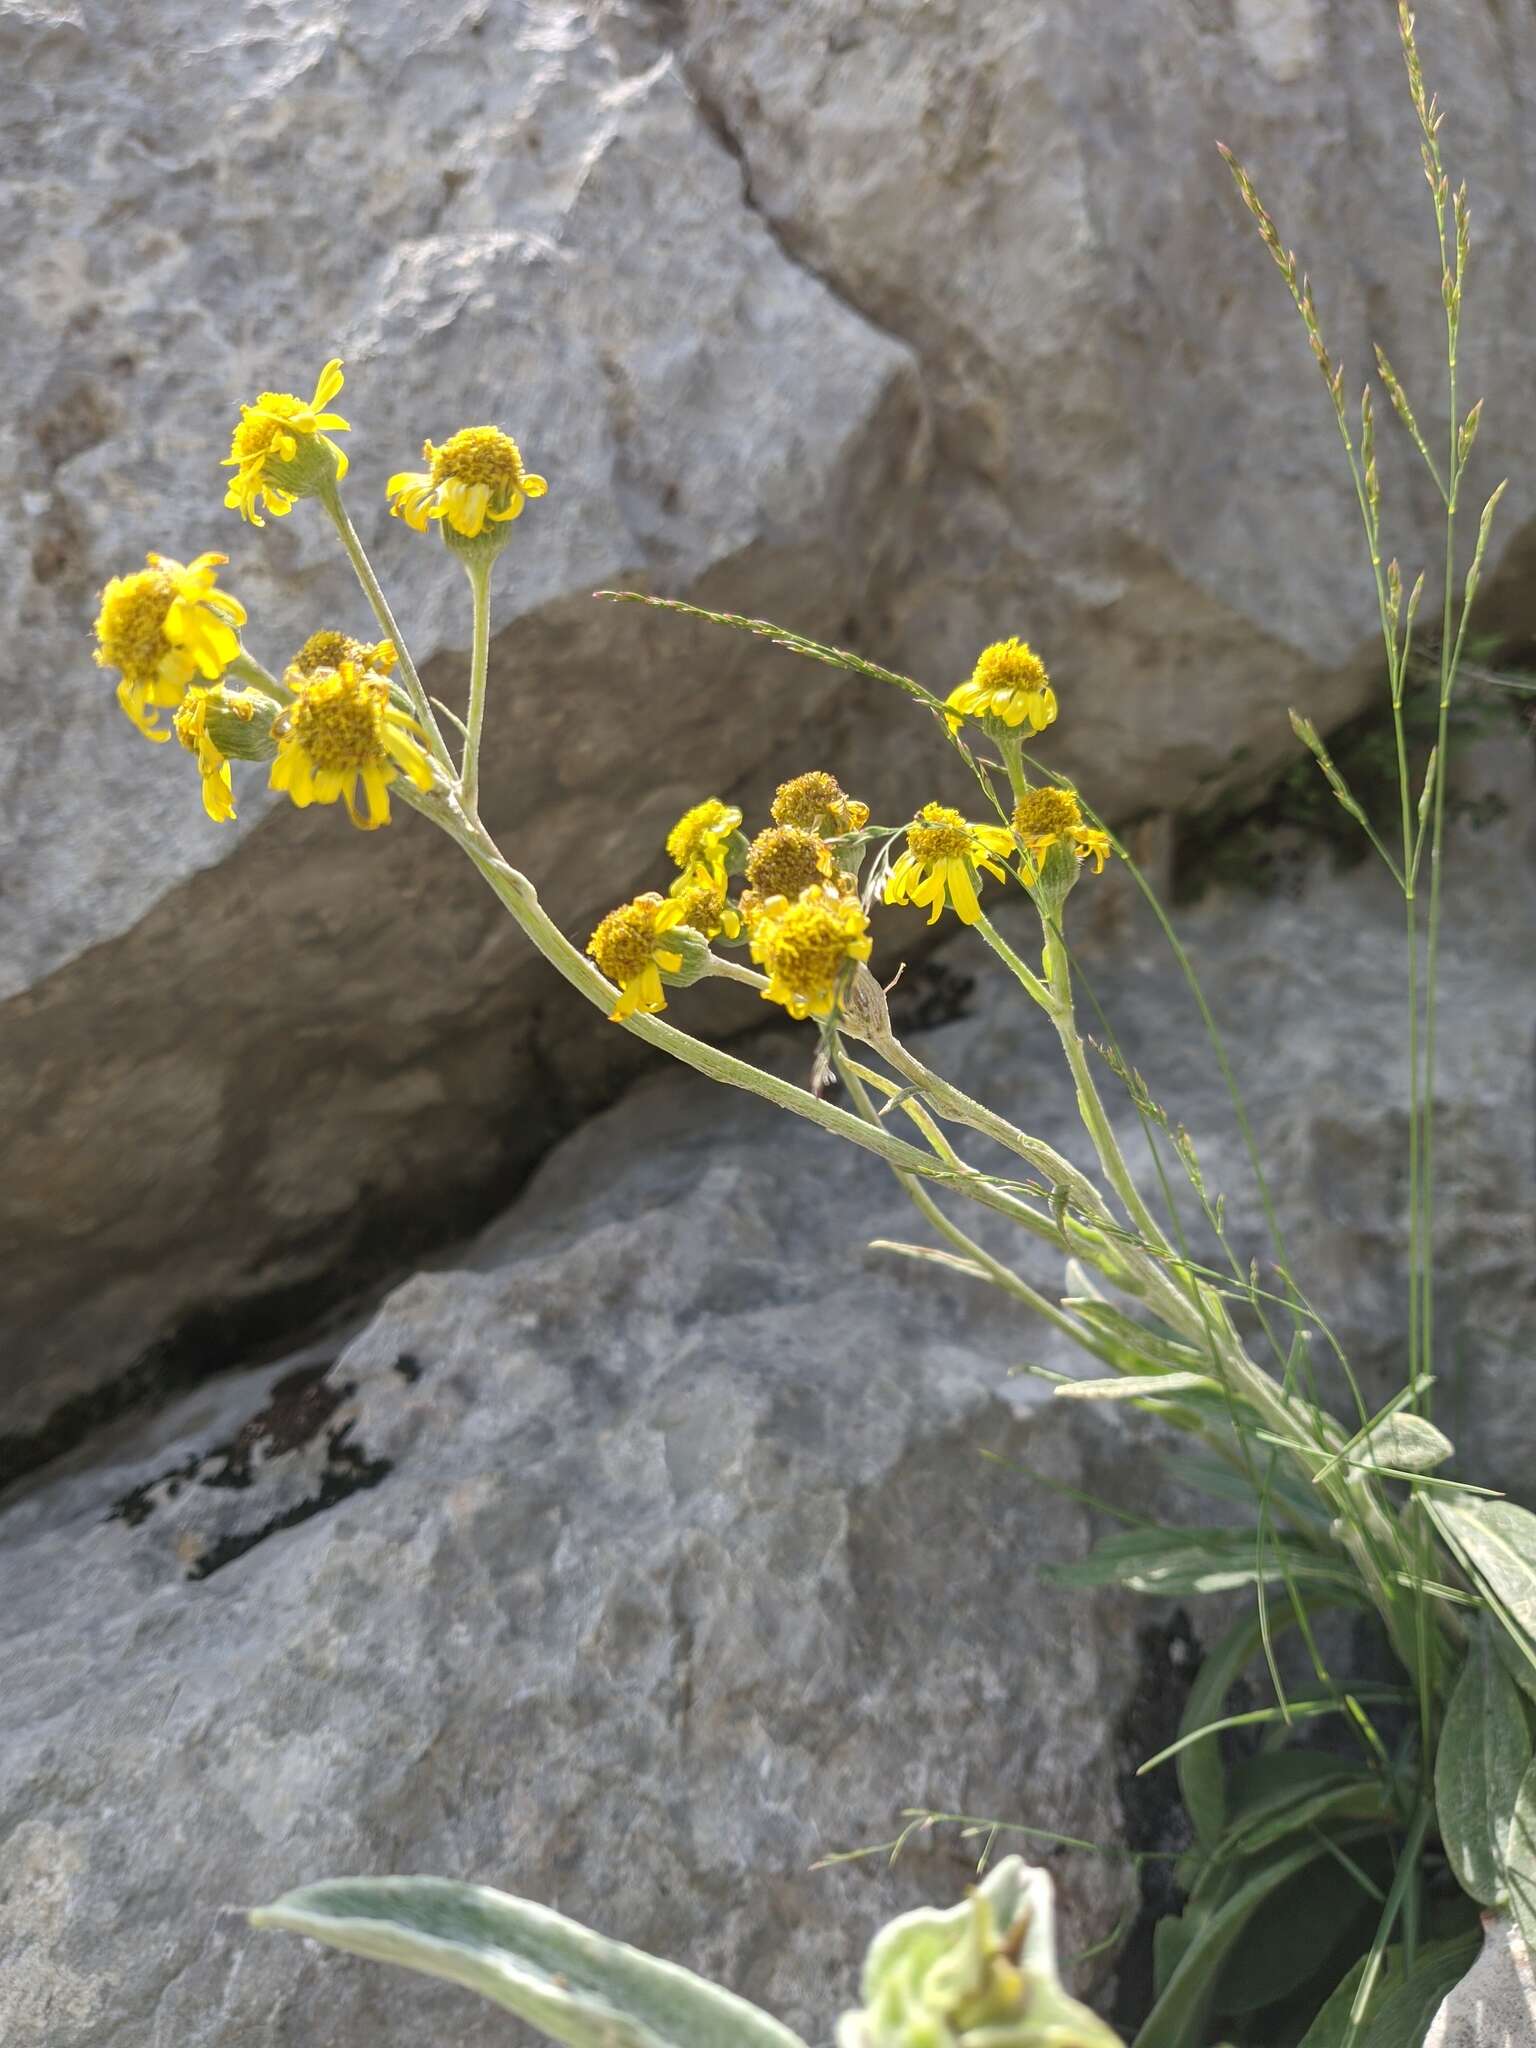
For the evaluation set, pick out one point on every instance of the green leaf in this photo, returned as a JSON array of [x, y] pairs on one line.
[[1395, 1438], [1217, 1479], [1405, 1999], [1202, 1775], [1185, 1561], [1483, 1756], [1303, 1923], [1344, 1795], [1496, 1543], [573, 1985], [1406, 1443], [1137, 1387], [1177, 2018]]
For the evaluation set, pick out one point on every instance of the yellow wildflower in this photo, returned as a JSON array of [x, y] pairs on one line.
[[944, 853], [701, 838], [706, 907], [342, 729], [1008, 683], [806, 947], [191, 723], [163, 626], [329, 649], [1044, 816], [275, 445], [477, 475], [631, 948], [785, 859], [816, 803]]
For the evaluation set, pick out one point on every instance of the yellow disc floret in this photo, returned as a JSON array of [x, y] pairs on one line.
[[705, 905], [816, 803], [163, 627], [329, 649], [701, 837], [1044, 816], [280, 451], [631, 949], [1008, 684], [942, 862], [342, 729], [476, 476], [785, 859], [807, 947]]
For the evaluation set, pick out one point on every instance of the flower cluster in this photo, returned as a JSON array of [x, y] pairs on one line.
[[799, 911], [334, 726]]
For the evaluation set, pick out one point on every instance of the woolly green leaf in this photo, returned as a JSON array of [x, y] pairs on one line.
[[1483, 1755], [1496, 1542], [1185, 1561], [1404, 1443], [573, 1985], [1139, 1387]]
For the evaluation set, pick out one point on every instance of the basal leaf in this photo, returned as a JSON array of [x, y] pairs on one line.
[[1186, 1561], [1483, 1757], [1405, 1999], [573, 1985]]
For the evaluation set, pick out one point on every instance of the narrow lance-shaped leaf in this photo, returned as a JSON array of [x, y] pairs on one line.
[[573, 1985], [1185, 1561], [1496, 1543], [1405, 2000], [1484, 1754]]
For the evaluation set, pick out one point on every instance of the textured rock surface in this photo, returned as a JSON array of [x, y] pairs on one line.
[[971, 337], [649, 1551], [501, 210], [664, 1561], [1494, 2005], [1133, 453]]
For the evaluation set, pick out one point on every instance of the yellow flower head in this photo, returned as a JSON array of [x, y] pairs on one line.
[[1008, 683], [280, 451], [631, 948], [785, 859], [701, 837], [342, 729], [807, 946], [191, 723], [477, 475], [816, 803], [163, 626], [941, 863], [1044, 816], [706, 907], [329, 649]]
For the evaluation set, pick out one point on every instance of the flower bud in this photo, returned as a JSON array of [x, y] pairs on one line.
[[978, 1975], [239, 723], [697, 960]]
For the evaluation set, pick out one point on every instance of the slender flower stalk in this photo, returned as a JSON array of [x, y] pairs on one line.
[[477, 567], [421, 705]]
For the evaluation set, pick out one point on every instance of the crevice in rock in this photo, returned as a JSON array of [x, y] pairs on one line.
[[298, 1410], [669, 28], [1156, 1824]]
